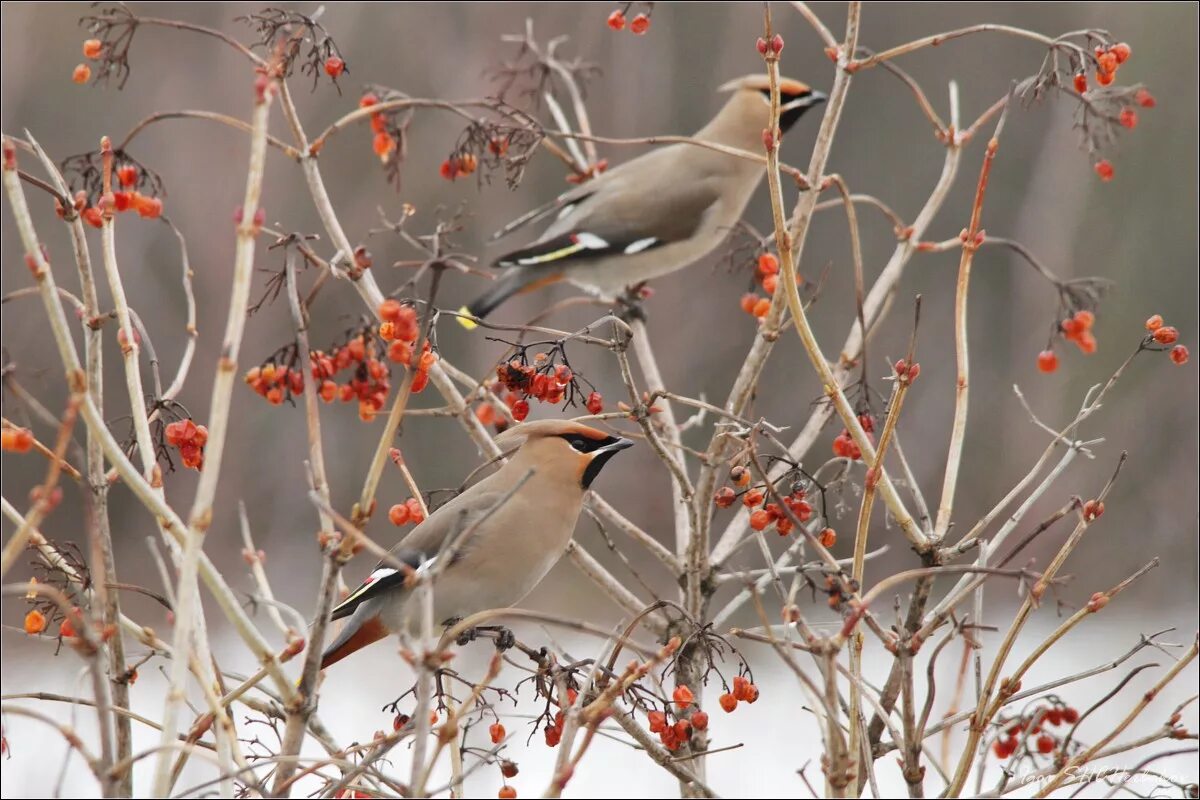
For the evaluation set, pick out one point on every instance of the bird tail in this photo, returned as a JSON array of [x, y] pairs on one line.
[[356, 635], [513, 281]]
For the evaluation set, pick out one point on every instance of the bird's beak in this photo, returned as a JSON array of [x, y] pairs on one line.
[[618, 445], [809, 100]]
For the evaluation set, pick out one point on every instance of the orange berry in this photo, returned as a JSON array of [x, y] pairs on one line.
[[657, 721], [1104, 169], [66, 629], [616, 20], [750, 694], [640, 24], [700, 720], [92, 48], [506, 792], [553, 737], [1179, 354], [92, 216], [761, 308], [683, 696], [1122, 52], [770, 283], [1128, 118], [1086, 342], [414, 511], [467, 163], [390, 309], [827, 537], [595, 403], [1154, 323], [1047, 361], [760, 519], [17, 440], [728, 702], [398, 514], [1085, 318], [1108, 62], [367, 100], [1081, 83], [1144, 99], [749, 299], [383, 145], [82, 74], [1104, 78], [35, 622], [496, 731], [334, 67], [752, 498], [783, 526], [1166, 335], [768, 264]]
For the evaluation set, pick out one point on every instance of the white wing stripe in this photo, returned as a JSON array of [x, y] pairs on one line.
[[640, 245]]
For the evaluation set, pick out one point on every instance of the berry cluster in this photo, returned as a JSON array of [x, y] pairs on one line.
[[466, 163], [744, 691], [672, 735], [1031, 725], [554, 730], [766, 275], [190, 438], [385, 141], [16, 440], [1109, 59], [406, 512], [765, 513], [147, 207], [546, 377], [1167, 336], [844, 445], [638, 25]]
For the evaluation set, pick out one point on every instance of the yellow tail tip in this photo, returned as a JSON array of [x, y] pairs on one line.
[[466, 319]]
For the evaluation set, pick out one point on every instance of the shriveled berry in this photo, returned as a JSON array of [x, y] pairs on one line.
[[683, 696], [496, 731], [656, 721], [1070, 715], [728, 702], [1166, 335], [724, 497]]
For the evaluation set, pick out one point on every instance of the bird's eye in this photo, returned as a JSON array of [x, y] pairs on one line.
[[578, 444]]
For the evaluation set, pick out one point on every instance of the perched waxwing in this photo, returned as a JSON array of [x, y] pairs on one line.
[[654, 214], [500, 543]]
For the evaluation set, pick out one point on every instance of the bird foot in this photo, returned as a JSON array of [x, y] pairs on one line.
[[501, 636], [631, 303]]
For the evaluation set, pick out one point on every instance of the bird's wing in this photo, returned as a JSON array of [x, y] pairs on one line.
[[559, 205], [419, 551], [622, 217]]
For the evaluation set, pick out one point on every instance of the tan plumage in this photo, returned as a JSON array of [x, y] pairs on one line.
[[513, 545], [654, 214]]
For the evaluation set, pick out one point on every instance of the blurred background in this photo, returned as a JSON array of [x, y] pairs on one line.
[[1139, 230]]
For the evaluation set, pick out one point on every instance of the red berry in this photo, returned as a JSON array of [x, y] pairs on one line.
[[728, 702], [1108, 62], [724, 497], [1070, 715], [383, 144], [1093, 509], [1104, 78], [1054, 716], [1144, 99], [1104, 169], [748, 301], [1154, 323], [520, 410], [595, 403], [1047, 361], [768, 264], [398, 514], [761, 307], [1128, 118], [496, 731], [1179, 354], [640, 24], [508, 768], [700, 720], [553, 736], [127, 175], [334, 67], [760, 519], [92, 48], [1045, 743], [448, 170], [683, 696], [1122, 52], [506, 792], [367, 100], [81, 74], [616, 20], [656, 721], [1081, 83], [1166, 335], [827, 537]]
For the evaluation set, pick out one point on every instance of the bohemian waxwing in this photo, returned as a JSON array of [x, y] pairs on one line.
[[654, 214], [509, 546]]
